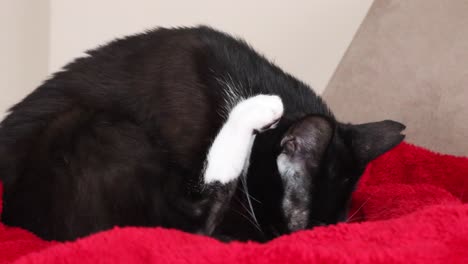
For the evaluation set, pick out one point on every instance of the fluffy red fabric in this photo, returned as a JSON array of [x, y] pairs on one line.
[[410, 207]]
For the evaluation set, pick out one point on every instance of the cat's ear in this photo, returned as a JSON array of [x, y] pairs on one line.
[[308, 137], [370, 140]]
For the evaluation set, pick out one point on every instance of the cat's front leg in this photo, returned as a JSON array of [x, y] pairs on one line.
[[229, 155], [231, 148]]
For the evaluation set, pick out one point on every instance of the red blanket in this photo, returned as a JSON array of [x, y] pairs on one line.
[[410, 207]]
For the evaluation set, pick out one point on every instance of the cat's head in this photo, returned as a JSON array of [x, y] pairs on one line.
[[321, 162]]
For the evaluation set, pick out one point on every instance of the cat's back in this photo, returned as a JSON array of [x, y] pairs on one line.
[[90, 147], [157, 80]]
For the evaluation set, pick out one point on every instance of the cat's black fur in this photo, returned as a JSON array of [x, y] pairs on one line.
[[119, 138]]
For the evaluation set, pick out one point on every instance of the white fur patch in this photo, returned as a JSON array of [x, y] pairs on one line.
[[285, 168], [294, 184], [229, 155]]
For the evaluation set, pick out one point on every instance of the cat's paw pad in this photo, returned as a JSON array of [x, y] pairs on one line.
[[259, 113]]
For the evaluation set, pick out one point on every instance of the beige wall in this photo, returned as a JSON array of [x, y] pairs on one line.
[[307, 38], [23, 48], [409, 62]]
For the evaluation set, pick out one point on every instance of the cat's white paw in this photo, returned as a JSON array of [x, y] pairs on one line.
[[258, 113], [229, 161], [229, 155]]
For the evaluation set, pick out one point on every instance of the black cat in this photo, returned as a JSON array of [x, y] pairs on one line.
[[184, 128]]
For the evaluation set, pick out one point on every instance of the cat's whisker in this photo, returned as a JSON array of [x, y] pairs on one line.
[[362, 205], [243, 205], [253, 198], [248, 219], [247, 195], [245, 216]]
